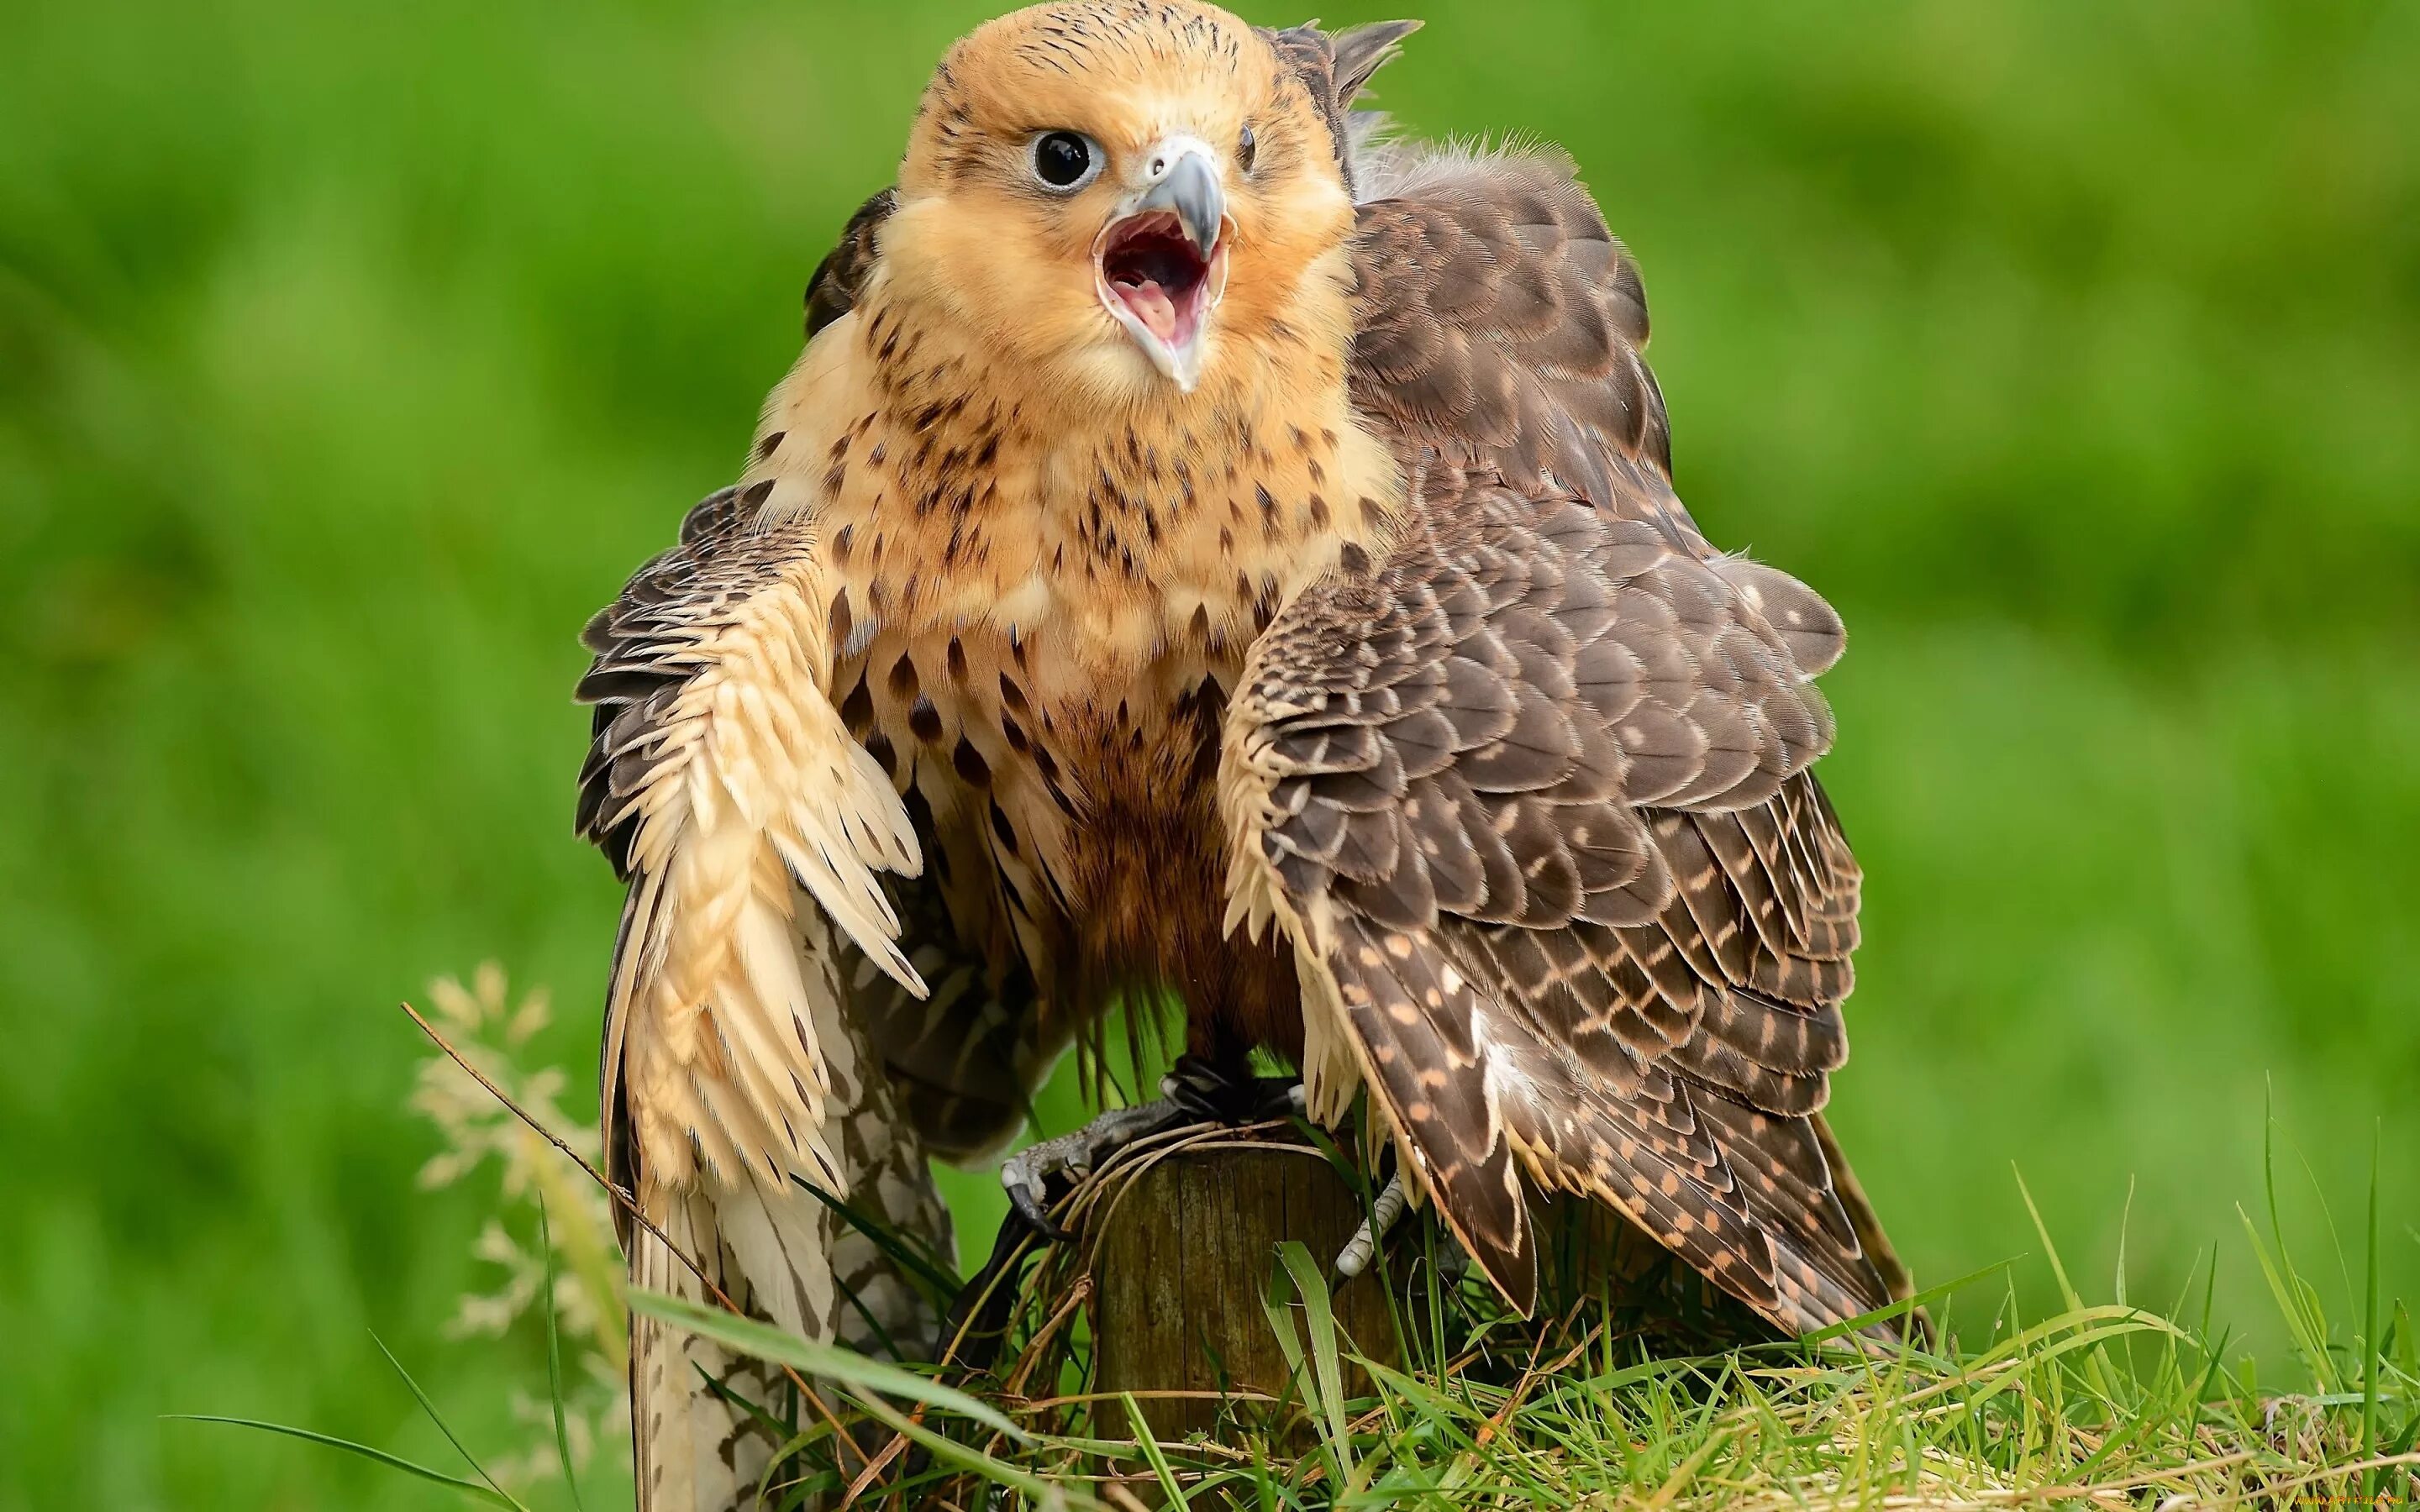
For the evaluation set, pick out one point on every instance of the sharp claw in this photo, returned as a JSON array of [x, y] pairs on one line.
[[1280, 1099], [1207, 1093], [1026, 1202], [1193, 1089], [1028, 1182], [1031, 1173]]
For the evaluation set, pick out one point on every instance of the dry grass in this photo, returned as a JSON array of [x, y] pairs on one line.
[[1645, 1391], [2108, 1405]]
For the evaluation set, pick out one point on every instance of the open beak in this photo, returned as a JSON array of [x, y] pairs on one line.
[[1160, 265]]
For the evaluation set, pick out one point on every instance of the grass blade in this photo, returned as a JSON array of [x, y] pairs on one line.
[[2095, 1365], [1280, 1317], [2057, 1267], [555, 1362], [431, 1408], [1153, 1452], [2125, 1224], [1319, 1320], [468, 1487], [2370, 1339], [2287, 1288], [1904, 1307], [1042, 1493], [846, 1366], [864, 1379]]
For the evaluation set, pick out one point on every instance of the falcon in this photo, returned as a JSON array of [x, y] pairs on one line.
[[1211, 548]]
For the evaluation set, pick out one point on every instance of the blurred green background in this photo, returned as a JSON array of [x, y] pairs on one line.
[[351, 356]]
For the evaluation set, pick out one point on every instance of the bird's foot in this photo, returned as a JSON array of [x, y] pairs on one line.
[[1384, 1212], [1211, 1093], [1030, 1174], [1039, 1176], [1196, 1091]]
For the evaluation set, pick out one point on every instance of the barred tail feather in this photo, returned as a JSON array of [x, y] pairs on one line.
[[781, 1254], [694, 1449]]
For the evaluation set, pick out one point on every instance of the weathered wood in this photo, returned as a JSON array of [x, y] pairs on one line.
[[1183, 1250], [1182, 1261]]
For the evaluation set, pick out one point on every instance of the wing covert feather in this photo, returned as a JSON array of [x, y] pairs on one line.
[[1497, 321], [1589, 916]]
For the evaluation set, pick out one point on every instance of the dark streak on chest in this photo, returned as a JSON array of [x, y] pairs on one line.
[[1149, 867]]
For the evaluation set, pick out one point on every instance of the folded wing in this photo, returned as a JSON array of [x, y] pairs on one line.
[[1530, 794]]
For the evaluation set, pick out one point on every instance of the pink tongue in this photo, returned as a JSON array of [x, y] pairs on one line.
[[1152, 307]]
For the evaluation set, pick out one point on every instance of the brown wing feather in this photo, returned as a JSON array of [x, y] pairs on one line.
[[1335, 67], [831, 289], [1665, 913], [1459, 771], [1498, 322]]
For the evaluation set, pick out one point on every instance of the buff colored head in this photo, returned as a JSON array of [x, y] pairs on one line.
[[1122, 197]]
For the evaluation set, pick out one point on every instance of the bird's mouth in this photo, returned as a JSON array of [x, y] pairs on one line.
[[1162, 283]]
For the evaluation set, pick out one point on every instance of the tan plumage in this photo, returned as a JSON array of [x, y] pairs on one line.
[[749, 826], [1323, 642]]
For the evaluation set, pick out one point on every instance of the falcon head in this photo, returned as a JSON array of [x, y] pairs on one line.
[[1126, 196]]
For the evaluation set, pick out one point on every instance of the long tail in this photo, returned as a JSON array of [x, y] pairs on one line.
[[788, 1257], [694, 1450]]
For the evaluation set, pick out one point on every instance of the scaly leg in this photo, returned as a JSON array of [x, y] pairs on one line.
[[1028, 1173], [1363, 1246], [1197, 1092]]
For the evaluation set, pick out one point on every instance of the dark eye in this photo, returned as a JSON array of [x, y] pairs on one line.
[[1062, 160], [1244, 150]]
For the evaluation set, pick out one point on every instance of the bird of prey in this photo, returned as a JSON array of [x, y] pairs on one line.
[[1209, 547]]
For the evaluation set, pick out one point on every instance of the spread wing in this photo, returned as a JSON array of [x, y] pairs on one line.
[[754, 833], [1530, 792], [751, 828]]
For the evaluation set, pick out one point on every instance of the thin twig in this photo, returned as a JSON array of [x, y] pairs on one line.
[[873, 1467], [628, 1204], [1077, 1294], [1153, 1394]]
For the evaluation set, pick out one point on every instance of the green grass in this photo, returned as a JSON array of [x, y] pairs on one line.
[[1601, 1401], [349, 359], [1615, 1396]]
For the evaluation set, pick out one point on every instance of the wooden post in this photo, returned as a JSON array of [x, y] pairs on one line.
[[1185, 1245], [1184, 1258]]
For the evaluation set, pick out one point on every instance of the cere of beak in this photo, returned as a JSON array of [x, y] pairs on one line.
[[1160, 266], [1190, 188]]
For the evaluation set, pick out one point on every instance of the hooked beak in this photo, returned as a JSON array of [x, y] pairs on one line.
[[1160, 265], [1189, 187]]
